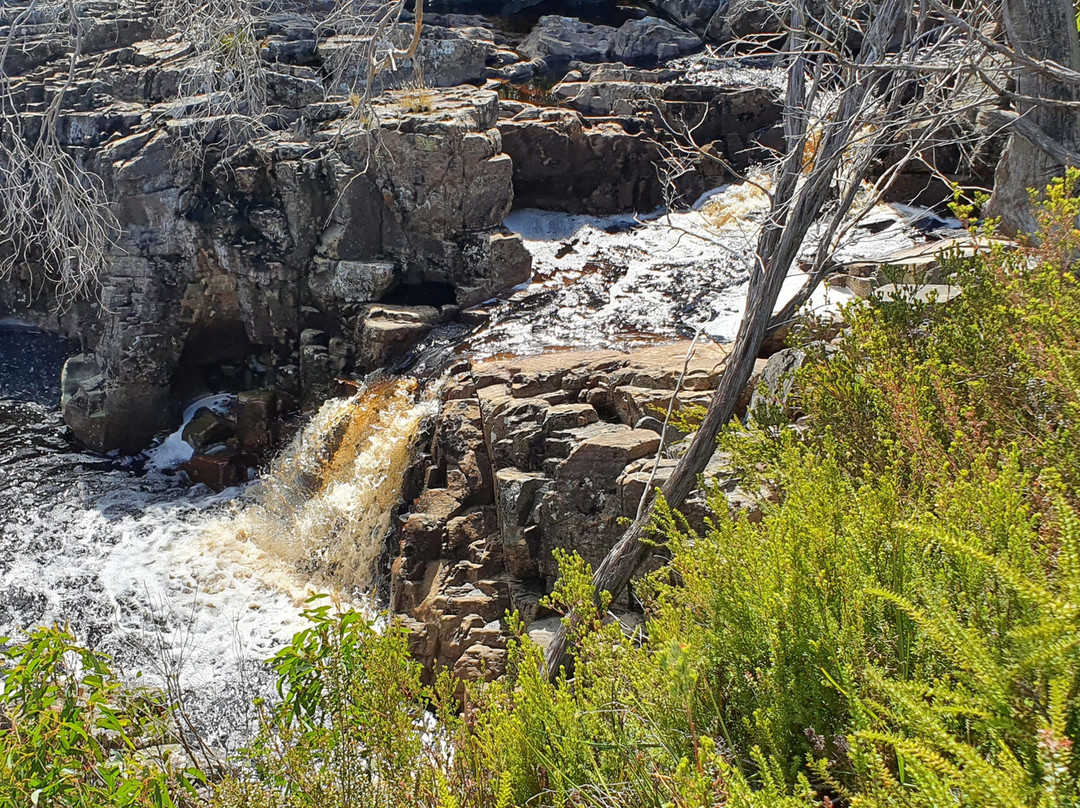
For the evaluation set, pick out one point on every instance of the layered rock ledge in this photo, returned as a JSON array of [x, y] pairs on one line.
[[527, 456], [224, 262]]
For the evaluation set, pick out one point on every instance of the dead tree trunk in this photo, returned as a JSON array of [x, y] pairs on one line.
[[797, 202], [1043, 30]]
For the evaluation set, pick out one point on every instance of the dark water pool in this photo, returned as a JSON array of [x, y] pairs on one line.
[[30, 363]]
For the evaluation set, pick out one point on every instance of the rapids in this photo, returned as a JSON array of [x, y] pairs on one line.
[[173, 580], [624, 282]]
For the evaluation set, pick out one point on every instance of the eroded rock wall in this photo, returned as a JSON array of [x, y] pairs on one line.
[[225, 261], [527, 456]]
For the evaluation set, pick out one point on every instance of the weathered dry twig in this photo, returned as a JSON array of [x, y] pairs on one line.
[[55, 222]]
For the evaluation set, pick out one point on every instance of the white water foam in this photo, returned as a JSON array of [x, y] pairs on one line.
[[174, 450], [168, 577], [624, 281], [123, 561]]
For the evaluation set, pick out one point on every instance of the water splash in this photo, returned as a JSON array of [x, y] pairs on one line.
[[164, 576], [174, 450], [325, 506]]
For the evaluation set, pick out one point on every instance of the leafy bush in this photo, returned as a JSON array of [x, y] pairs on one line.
[[347, 730], [71, 731], [931, 388]]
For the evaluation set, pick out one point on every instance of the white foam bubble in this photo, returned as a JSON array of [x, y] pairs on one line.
[[174, 450]]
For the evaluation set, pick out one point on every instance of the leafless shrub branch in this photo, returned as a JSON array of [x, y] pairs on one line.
[[55, 221]]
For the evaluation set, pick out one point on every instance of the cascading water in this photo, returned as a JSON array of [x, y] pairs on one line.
[[325, 506], [625, 282], [173, 580]]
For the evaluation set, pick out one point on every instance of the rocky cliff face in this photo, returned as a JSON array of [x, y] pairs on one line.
[[528, 456], [224, 262], [329, 242]]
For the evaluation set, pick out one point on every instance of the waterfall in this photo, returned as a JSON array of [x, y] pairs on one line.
[[324, 507]]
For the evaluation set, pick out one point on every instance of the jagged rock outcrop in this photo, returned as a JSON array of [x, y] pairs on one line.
[[302, 234], [527, 456], [225, 260], [603, 154]]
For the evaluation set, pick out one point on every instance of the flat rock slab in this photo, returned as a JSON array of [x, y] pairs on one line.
[[657, 367], [921, 292], [606, 455], [921, 263]]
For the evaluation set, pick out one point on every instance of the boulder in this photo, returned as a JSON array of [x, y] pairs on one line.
[[388, 332], [480, 662], [207, 427], [336, 282], [256, 420], [557, 41], [77, 371], [447, 57], [770, 397], [651, 40], [917, 292], [106, 415], [217, 470], [560, 40]]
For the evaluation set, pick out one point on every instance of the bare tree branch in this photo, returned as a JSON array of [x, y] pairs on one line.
[[55, 222], [1030, 131], [797, 200]]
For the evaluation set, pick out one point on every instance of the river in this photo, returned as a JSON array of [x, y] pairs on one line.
[[174, 580]]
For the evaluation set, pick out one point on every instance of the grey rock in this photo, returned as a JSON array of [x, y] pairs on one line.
[[771, 395], [651, 40], [78, 371], [447, 57], [207, 427], [558, 41], [389, 331], [217, 267], [334, 282]]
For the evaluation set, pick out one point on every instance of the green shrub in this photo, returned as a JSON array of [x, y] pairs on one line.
[[71, 731], [347, 730], [932, 388]]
